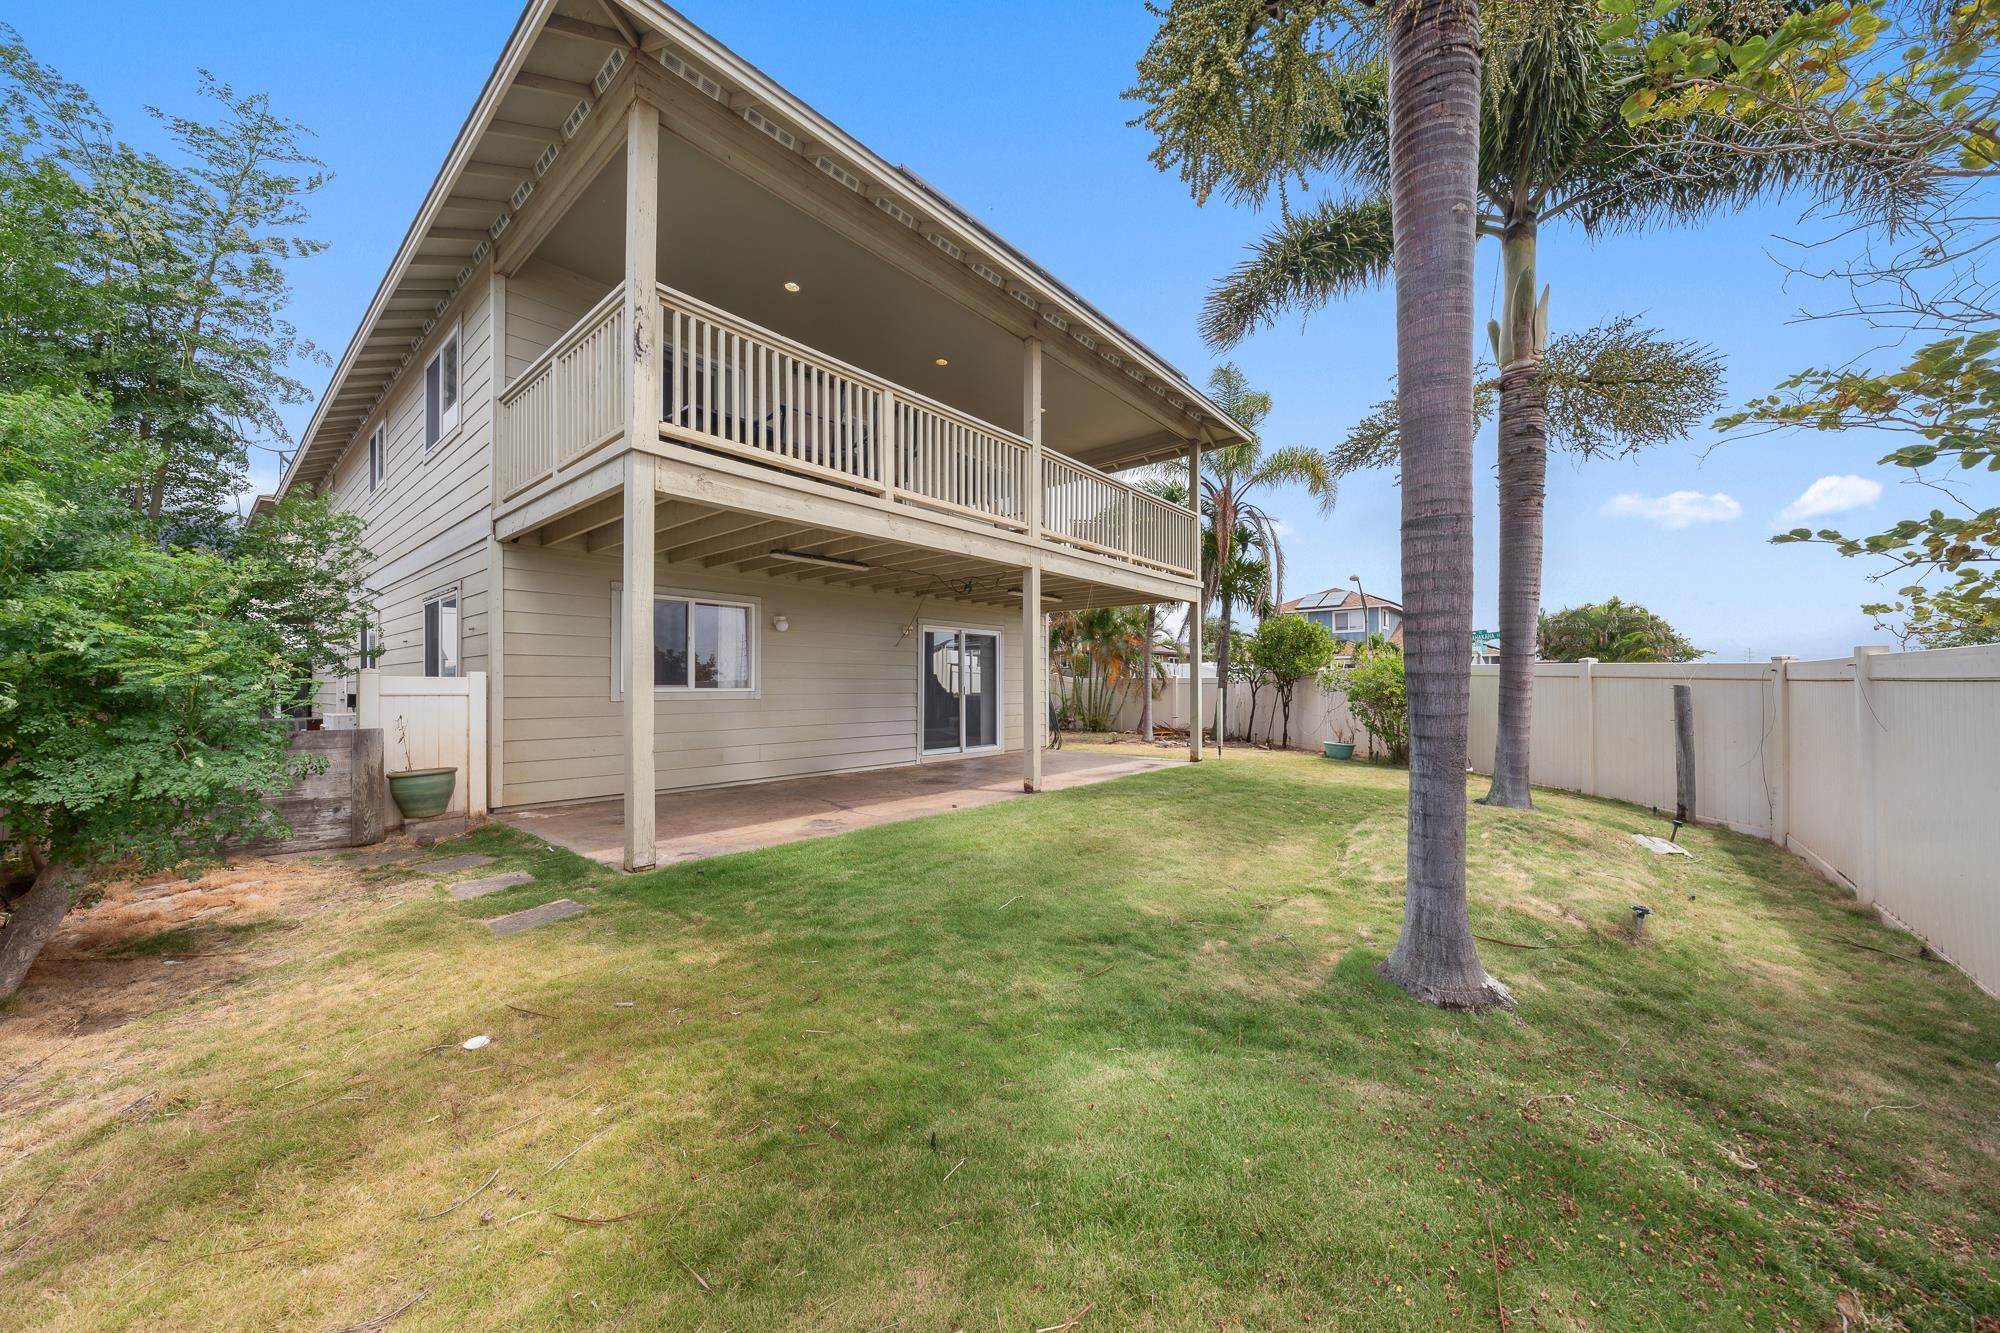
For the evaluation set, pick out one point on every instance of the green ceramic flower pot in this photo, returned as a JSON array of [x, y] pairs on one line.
[[421, 793], [1340, 749]]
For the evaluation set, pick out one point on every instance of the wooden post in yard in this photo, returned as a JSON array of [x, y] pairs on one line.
[[1684, 754]]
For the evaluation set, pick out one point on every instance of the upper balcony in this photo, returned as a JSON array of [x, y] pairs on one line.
[[734, 389]]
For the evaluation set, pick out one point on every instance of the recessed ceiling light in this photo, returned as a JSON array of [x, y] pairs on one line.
[[791, 286], [944, 361]]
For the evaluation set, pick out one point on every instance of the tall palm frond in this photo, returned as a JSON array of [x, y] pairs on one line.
[[1304, 262]]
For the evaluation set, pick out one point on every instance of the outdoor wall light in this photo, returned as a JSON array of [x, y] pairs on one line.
[[791, 287], [780, 624], [943, 361]]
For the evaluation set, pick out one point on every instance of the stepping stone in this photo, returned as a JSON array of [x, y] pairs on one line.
[[479, 888], [451, 865], [424, 832], [1660, 846], [516, 922]]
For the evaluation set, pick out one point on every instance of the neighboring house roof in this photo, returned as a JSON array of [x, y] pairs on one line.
[[469, 205], [1336, 599]]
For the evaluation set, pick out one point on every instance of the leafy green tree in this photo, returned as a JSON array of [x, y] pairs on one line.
[[157, 285], [1231, 88], [1919, 90], [1611, 631], [140, 684], [1373, 685], [1289, 649], [1243, 559]]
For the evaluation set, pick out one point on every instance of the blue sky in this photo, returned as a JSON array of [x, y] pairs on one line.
[[1015, 111]]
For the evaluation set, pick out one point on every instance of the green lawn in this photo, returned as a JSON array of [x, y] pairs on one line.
[[1117, 1055]]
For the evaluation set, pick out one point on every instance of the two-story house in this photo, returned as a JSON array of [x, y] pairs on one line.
[[726, 449], [1351, 617]]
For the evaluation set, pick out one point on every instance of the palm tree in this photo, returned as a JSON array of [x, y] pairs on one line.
[[1099, 652], [1434, 149], [1612, 631], [1554, 144], [1239, 529]]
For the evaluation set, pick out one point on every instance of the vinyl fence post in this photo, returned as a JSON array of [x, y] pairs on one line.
[[1778, 751], [1866, 726], [1586, 682]]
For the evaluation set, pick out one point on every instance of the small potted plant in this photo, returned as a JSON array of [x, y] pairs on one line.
[[420, 793], [1342, 744]]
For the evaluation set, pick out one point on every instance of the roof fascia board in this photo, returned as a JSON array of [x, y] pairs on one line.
[[512, 57]]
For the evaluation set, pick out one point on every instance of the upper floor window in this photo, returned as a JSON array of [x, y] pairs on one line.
[[377, 464], [441, 392]]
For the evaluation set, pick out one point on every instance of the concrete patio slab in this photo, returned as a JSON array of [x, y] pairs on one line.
[[515, 922], [719, 820]]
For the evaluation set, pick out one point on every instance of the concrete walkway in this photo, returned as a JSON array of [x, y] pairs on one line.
[[718, 820]]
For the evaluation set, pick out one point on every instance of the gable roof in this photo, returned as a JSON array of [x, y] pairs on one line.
[[1336, 599], [559, 58]]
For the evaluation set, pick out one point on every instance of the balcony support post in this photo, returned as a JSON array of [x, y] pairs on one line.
[[1031, 430], [642, 308], [1034, 675], [1196, 609]]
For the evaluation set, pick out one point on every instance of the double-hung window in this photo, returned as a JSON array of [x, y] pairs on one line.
[[699, 643], [441, 392], [441, 633]]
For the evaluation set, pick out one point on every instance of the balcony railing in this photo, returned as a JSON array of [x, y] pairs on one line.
[[734, 388]]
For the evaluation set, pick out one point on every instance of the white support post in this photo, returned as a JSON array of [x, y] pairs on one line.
[[1778, 750], [1034, 675], [1586, 682], [496, 559], [1031, 430], [1195, 610], [1866, 726], [642, 303]]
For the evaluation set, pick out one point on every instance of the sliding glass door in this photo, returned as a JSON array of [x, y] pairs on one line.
[[961, 690]]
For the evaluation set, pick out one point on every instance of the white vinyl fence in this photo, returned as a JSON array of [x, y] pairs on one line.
[[1868, 766], [441, 721]]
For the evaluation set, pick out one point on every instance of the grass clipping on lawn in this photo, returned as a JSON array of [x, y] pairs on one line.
[[1112, 1058]]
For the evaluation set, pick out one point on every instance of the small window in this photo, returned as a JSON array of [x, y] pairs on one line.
[[441, 392], [698, 644], [377, 466], [371, 647], [441, 634]]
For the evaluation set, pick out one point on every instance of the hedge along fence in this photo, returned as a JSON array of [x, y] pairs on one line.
[[1876, 767]]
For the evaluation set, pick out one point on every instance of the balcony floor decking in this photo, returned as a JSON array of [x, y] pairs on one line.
[[719, 820]]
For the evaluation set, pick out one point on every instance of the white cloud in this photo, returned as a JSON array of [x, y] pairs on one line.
[[1676, 509], [1832, 495]]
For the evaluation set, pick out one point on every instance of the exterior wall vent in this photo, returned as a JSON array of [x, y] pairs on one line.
[[896, 210], [574, 122], [479, 251], [1111, 356], [945, 243], [1054, 318], [1026, 298], [520, 196], [1086, 340], [609, 71], [547, 160], [1133, 372], [463, 274], [694, 76], [429, 324], [1176, 402], [765, 125], [839, 172], [499, 225], [437, 311], [988, 273]]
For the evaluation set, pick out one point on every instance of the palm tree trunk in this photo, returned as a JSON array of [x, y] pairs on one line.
[[1434, 64], [1524, 454], [1146, 682]]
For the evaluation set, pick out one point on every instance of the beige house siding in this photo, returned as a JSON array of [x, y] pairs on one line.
[[429, 522], [836, 692], [544, 301]]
